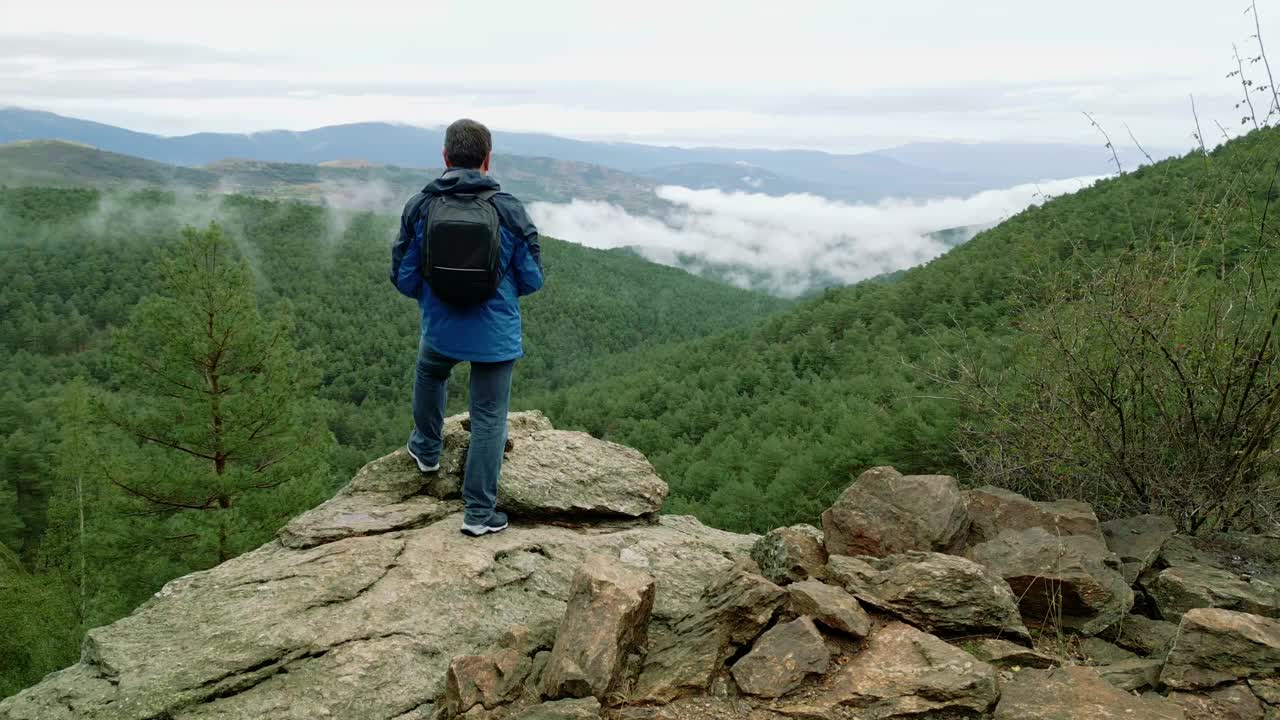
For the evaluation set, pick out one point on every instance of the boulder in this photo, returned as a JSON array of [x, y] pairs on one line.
[[1212, 573], [485, 680], [1073, 580], [1214, 647], [943, 594], [781, 659], [1142, 635], [736, 607], [884, 512], [1096, 651], [583, 709], [994, 510], [1076, 693], [1133, 674], [1137, 541], [1005, 654], [1233, 702], [607, 618], [553, 473], [905, 672], [1267, 689], [791, 554], [363, 622], [831, 606]]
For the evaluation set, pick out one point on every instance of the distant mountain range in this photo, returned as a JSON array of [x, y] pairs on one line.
[[911, 171], [337, 184]]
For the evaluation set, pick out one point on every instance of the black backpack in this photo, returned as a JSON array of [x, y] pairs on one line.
[[462, 247]]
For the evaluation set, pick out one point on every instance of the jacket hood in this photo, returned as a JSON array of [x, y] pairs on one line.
[[461, 180]]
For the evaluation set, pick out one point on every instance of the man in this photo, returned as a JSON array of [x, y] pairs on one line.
[[439, 259]]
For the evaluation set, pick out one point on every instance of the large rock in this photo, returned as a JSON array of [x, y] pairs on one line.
[[1137, 541], [943, 594], [994, 510], [781, 659], [1143, 635], [555, 473], [737, 606], [585, 709], [485, 680], [1072, 580], [1076, 693], [1005, 654], [364, 625], [884, 512], [607, 619], [1133, 674], [791, 554], [904, 672], [1220, 646], [831, 606], [1233, 702], [1229, 572]]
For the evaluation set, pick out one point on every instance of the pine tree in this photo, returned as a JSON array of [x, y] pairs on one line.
[[220, 407]]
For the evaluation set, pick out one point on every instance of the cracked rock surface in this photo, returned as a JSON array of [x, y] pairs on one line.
[[359, 606]]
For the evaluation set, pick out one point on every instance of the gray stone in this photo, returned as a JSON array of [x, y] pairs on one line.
[[1073, 580], [552, 473], [1267, 689], [1214, 647], [1076, 693], [905, 672], [583, 709], [1233, 702], [364, 625], [994, 510], [781, 659], [1143, 635], [607, 618], [884, 513], [1132, 674], [791, 554], [1005, 654], [943, 594], [831, 606], [1233, 572], [736, 607], [1097, 651], [1137, 541]]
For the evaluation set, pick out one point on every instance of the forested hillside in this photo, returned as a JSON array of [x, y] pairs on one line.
[[763, 426], [77, 261]]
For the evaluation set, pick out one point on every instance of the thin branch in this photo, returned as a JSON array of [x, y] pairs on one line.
[[1257, 24], [1110, 146], [1140, 148]]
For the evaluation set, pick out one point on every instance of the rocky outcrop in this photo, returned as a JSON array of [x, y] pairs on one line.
[[943, 594], [607, 620], [361, 607], [884, 512], [995, 510], [791, 554], [591, 606], [1076, 693], [1069, 580], [1221, 646]]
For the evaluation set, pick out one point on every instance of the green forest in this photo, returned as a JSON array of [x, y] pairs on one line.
[[1147, 299]]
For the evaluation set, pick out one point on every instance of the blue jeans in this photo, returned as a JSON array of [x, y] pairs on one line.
[[490, 395]]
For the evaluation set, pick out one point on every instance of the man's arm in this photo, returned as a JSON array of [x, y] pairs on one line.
[[526, 262], [406, 253]]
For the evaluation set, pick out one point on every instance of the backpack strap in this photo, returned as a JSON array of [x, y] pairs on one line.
[[486, 195]]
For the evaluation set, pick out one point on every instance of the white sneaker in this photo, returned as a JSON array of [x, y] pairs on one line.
[[421, 465]]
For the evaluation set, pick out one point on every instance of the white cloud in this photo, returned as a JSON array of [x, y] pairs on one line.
[[791, 240]]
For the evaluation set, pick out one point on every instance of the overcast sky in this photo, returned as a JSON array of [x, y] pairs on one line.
[[842, 76]]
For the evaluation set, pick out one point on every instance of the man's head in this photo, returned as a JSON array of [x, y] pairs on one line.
[[467, 144]]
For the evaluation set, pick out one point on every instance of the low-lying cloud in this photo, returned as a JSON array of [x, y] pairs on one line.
[[791, 244]]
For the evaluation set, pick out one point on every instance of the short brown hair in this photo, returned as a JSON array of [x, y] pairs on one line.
[[467, 143]]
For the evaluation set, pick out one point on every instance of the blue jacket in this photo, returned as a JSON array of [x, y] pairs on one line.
[[490, 331]]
